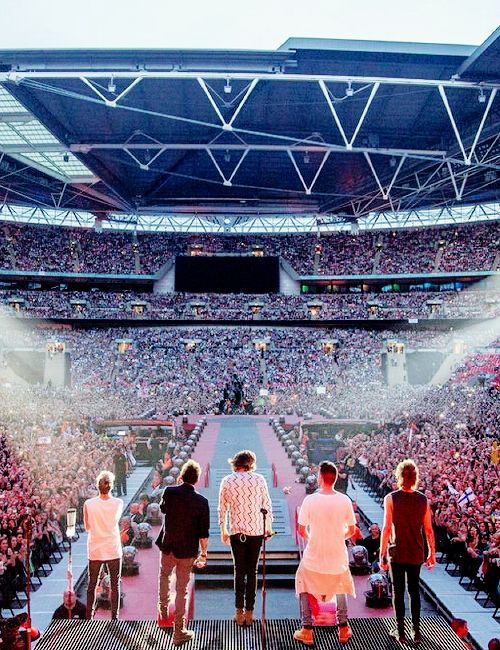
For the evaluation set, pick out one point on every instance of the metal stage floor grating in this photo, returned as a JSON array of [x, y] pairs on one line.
[[368, 634]]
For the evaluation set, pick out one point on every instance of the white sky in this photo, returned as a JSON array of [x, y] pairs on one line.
[[238, 24]]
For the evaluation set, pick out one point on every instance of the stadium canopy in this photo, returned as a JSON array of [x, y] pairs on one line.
[[320, 131]]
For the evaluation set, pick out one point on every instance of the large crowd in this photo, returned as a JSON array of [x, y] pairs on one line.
[[78, 250], [50, 447], [452, 433], [474, 303], [185, 369], [48, 465]]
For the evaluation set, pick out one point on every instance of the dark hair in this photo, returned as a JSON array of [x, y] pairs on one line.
[[407, 474], [244, 459], [494, 644], [190, 472], [328, 471]]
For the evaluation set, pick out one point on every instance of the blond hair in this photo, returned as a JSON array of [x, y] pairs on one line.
[[105, 481], [407, 474]]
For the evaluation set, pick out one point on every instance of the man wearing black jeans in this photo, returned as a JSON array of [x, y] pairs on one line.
[[244, 497], [101, 515], [406, 514]]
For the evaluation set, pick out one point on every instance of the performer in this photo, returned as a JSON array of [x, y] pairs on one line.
[[326, 521], [406, 513], [120, 467], [244, 496], [101, 516], [185, 530]]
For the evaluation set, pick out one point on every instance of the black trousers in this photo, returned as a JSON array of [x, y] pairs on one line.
[[115, 570], [246, 551], [406, 576], [121, 484]]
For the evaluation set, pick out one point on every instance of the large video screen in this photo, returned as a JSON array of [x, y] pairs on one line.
[[227, 274]]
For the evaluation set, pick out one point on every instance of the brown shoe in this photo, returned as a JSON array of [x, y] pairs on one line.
[[239, 617], [181, 636], [304, 635], [248, 617], [345, 633]]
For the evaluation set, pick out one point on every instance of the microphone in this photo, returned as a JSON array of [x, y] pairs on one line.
[[263, 511], [71, 523]]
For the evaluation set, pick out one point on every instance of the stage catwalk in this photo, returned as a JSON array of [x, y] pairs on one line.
[[369, 634]]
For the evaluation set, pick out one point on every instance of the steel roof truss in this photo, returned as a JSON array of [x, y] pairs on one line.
[[480, 128], [373, 92], [247, 94], [18, 76], [95, 90], [111, 102], [329, 101], [451, 117], [57, 197], [227, 181], [308, 188], [374, 172], [154, 158], [395, 175], [238, 164], [144, 166], [458, 193], [227, 126]]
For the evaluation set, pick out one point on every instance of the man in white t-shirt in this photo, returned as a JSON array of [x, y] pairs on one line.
[[102, 515], [326, 521]]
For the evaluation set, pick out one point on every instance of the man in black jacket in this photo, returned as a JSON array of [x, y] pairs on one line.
[[183, 542], [372, 544]]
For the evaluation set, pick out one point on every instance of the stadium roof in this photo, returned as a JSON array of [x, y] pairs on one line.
[[319, 128]]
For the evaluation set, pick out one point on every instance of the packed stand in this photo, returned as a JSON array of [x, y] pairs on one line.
[[473, 303], [197, 362], [483, 364], [59, 249], [451, 432], [48, 466]]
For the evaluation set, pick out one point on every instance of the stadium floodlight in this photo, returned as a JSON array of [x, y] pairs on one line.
[[111, 85], [481, 98], [349, 90], [227, 87]]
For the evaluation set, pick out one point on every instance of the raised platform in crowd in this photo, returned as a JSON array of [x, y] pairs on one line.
[[449, 597], [368, 634]]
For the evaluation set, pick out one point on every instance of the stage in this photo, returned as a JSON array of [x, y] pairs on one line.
[[369, 634]]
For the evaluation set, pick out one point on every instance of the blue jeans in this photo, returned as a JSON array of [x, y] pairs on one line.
[[306, 616]]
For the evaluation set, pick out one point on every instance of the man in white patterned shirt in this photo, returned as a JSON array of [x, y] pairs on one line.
[[244, 496]]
